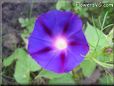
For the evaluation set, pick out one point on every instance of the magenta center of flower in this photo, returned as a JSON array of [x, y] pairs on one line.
[[61, 43]]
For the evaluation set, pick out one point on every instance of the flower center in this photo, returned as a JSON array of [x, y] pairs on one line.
[[61, 44]]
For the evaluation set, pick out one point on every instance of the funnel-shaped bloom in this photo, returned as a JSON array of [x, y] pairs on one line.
[[57, 42]]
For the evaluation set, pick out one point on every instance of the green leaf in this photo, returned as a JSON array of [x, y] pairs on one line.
[[8, 61], [50, 75], [65, 79], [88, 67], [95, 37], [55, 78], [107, 80], [98, 39], [32, 65], [21, 74], [110, 36], [24, 65], [63, 4], [30, 24], [27, 23], [22, 22]]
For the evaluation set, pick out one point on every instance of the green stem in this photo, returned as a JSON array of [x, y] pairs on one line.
[[104, 20]]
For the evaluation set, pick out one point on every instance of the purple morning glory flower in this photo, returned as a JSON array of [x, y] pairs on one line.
[[57, 42]]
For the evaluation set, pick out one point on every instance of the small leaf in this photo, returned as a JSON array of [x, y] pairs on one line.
[[8, 61], [21, 74], [88, 67], [50, 75], [64, 80], [23, 22], [95, 36], [27, 23], [63, 4], [30, 24]]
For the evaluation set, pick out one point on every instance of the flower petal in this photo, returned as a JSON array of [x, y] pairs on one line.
[[40, 31], [75, 56], [55, 20], [73, 25], [77, 39], [37, 44], [48, 27], [78, 48], [51, 61]]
